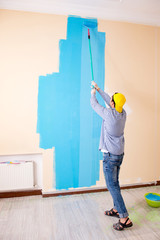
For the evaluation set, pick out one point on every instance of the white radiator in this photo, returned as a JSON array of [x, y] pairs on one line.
[[16, 175]]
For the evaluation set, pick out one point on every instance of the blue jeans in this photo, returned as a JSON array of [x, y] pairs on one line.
[[111, 168]]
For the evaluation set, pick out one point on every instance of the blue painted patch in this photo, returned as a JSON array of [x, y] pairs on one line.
[[66, 120]]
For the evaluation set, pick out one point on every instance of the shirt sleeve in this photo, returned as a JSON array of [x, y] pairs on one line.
[[105, 96], [100, 110]]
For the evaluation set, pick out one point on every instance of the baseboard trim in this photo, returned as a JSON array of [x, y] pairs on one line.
[[24, 193], [20, 193], [93, 190]]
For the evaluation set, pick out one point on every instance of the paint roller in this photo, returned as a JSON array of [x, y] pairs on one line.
[[90, 25]]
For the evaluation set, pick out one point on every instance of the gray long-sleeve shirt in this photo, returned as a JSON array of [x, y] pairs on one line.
[[112, 131]]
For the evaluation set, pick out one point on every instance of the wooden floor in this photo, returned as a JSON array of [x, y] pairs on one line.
[[77, 217]]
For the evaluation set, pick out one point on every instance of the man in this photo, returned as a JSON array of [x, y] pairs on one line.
[[112, 146]]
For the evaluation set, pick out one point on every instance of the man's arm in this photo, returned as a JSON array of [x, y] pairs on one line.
[[100, 110], [104, 95]]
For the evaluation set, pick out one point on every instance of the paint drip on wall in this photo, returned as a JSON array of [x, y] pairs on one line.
[[66, 120]]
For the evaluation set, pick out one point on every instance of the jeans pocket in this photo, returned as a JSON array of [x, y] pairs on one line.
[[115, 163], [112, 163], [105, 157]]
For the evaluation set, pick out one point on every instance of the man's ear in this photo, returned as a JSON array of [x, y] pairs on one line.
[[112, 104]]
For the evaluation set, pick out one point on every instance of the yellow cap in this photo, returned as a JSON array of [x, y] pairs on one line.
[[119, 100]]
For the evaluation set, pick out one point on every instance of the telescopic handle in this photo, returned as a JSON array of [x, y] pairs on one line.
[[90, 55]]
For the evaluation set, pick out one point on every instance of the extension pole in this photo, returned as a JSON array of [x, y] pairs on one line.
[[90, 55]]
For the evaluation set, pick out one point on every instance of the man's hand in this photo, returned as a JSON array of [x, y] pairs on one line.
[[93, 91], [95, 85]]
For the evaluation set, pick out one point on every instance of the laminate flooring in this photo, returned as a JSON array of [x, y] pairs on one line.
[[77, 217]]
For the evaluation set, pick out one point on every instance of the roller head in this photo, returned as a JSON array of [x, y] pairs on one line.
[[90, 24]]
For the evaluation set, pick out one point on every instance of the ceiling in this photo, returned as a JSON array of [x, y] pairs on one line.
[[136, 11]]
